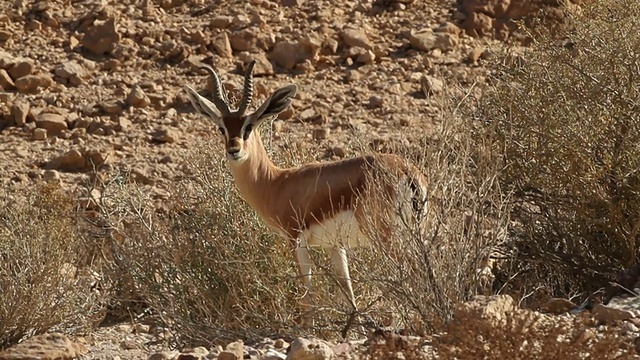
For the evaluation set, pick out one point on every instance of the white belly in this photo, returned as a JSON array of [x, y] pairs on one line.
[[340, 230]]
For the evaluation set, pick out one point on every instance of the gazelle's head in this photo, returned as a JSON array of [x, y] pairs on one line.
[[235, 125]]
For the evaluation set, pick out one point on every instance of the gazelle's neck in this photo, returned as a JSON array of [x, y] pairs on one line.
[[255, 174]]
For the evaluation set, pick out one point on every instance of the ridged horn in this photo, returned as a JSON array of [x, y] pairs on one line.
[[219, 96], [247, 90]]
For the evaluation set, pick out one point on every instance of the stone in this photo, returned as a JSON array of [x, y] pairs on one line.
[[228, 355], [53, 123], [235, 348], [221, 21], [271, 354], [21, 68], [5, 35], [165, 135], [608, 315], [50, 346], [165, 355], [494, 309], [557, 306], [321, 134], [19, 112], [431, 85], [243, 40], [72, 160], [288, 54], [101, 39], [137, 97], [428, 40], [6, 60], [356, 37], [69, 69], [32, 83], [309, 349], [291, 3], [222, 46], [6, 82], [39, 134], [280, 344]]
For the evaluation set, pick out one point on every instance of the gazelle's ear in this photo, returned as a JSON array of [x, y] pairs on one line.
[[274, 105], [202, 105]]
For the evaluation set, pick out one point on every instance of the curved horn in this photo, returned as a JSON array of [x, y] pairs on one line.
[[219, 97], [247, 91]]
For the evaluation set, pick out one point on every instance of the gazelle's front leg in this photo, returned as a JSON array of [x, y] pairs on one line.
[[303, 260], [341, 268]]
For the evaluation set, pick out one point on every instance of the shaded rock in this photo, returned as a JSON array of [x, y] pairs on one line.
[[21, 68], [243, 40], [71, 71], [309, 349], [6, 82], [557, 306], [6, 60], [39, 134], [101, 39], [606, 315]]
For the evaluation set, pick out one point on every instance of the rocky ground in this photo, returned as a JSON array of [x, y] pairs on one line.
[[93, 87]]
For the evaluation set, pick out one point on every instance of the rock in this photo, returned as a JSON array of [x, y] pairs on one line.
[[166, 355], [52, 176], [53, 123], [32, 83], [130, 345], [71, 71], [557, 306], [52, 346], [431, 85], [39, 134], [190, 356], [493, 309], [313, 349], [137, 97], [165, 136], [273, 355], [222, 46], [356, 37], [235, 349], [5, 35], [19, 112], [289, 54], [243, 40], [321, 134], [428, 40], [70, 161], [228, 355], [101, 39], [290, 3], [6, 60], [21, 68], [475, 54], [608, 315], [6, 82], [280, 344], [221, 21]]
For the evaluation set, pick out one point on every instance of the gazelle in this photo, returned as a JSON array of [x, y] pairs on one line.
[[317, 204]]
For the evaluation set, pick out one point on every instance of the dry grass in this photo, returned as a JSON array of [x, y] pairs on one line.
[[43, 284], [569, 122]]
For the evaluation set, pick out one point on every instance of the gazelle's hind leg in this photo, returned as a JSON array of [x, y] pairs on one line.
[[341, 268], [304, 270]]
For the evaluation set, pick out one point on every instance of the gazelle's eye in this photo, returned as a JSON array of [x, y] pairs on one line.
[[221, 130], [247, 131]]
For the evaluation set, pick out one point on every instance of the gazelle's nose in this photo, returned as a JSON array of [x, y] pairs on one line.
[[234, 153]]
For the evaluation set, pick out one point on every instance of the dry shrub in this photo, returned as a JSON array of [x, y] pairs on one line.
[[570, 127], [434, 260], [527, 335], [208, 266], [42, 286]]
